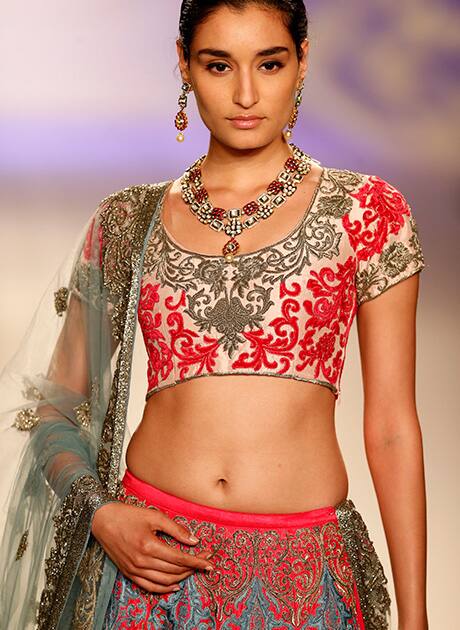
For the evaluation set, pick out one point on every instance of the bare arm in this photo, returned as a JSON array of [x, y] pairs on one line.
[[393, 440]]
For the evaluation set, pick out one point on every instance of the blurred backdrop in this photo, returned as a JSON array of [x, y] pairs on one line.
[[88, 98]]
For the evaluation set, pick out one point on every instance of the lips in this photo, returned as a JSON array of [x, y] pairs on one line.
[[245, 122], [246, 118]]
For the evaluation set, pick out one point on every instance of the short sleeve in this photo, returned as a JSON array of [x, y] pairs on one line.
[[387, 242]]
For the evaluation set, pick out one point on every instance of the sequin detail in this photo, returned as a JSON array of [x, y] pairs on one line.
[[26, 419], [367, 568], [60, 300], [89, 572], [72, 523], [123, 258], [23, 543]]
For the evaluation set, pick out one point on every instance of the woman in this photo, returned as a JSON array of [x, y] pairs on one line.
[[250, 467]]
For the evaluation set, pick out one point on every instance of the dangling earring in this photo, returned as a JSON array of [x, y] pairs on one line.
[[295, 113], [181, 117]]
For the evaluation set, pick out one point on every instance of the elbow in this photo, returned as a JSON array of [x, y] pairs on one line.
[[391, 431]]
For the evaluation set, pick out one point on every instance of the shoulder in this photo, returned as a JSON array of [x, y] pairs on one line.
[[369, 203], [364, 189], [117, 229], [120, 209]]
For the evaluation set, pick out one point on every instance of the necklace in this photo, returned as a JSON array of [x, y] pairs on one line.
[[195, 195]]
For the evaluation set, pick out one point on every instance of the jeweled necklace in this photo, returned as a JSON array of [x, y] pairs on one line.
[[196, 197]]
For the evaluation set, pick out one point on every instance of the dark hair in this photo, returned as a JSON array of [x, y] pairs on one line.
[[195, 12]]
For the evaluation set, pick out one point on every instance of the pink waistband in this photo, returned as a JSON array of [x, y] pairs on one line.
[[169, 502]]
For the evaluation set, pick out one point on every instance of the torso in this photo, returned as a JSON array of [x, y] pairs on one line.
[[254, 444]]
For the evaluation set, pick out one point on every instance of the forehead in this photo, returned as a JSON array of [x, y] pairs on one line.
[[250, 29]]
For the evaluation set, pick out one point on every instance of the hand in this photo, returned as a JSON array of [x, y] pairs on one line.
[[128, 535]]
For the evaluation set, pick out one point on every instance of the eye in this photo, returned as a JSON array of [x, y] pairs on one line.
[[273, 64], [218, 65]]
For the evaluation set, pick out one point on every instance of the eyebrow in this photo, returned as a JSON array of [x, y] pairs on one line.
[[214, 52]]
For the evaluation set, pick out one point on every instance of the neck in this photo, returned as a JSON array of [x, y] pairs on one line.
[[242, 169]]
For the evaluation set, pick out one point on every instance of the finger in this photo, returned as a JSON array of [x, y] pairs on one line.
[[159, 549], [166, 567], [172, 555], [169, 526], [165, 579], [153, 587]]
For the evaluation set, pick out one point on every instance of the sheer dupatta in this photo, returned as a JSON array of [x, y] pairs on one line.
[[63, 401]]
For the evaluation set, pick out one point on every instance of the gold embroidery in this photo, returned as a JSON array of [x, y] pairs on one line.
[[370, 578], [82, 413], [126, 228], [89, 572], [290, 565], [60, 300], [121, 270], [71, 526], [26, 420], [125, 218], [22, 545]]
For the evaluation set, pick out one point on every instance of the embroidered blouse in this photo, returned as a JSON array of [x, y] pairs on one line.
[[284, 310]]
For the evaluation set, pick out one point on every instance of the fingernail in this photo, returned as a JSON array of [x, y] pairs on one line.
[[176, 588], [209, 568], [208, 555], [193, 539]]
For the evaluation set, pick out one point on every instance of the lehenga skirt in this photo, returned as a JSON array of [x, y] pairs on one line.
[[306, 570]]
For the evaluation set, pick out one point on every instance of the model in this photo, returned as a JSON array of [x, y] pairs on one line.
[[233, 511]]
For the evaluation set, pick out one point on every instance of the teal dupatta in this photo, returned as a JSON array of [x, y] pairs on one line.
[[64, 399]]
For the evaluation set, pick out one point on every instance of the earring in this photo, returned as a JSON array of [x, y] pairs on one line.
[[295, 114], [181, 121]]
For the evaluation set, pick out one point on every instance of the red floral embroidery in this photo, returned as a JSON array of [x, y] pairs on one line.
[[331, 315], [384, 215], [287, 331], [158, 349], [182, 342]]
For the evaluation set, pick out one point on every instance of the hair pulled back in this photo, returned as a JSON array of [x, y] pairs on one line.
[[195, 12]]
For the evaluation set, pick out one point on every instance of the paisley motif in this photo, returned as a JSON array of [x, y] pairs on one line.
[[265, 578]]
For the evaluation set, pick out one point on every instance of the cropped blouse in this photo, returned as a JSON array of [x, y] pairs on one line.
[[284, 310]]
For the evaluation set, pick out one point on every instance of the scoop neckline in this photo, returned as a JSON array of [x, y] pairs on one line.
[[172, 241]]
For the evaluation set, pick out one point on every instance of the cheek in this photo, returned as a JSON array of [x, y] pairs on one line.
[[213, 100]]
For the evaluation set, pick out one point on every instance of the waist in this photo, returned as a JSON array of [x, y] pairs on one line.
[[151, 495], [244, 464]]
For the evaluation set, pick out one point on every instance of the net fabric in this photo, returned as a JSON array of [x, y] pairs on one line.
[[54, 395]]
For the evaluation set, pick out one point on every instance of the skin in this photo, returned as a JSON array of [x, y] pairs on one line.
[[273, 447]]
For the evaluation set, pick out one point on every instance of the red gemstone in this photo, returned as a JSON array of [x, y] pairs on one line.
[[275, 187], [195, 174], [231, 247], [181, 121], [201, 194], [250, 208], [291, 164], [218, 213]]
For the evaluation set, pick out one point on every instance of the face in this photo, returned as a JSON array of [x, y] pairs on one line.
[[244, 64]]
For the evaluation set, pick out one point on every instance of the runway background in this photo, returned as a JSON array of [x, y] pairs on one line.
[[88, 97]]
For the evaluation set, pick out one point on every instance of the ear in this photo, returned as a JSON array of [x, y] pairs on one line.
[[183, 65], [303, 63]]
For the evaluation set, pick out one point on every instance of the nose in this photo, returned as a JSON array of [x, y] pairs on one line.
[[245, 90]]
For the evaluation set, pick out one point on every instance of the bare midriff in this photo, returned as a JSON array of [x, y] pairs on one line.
[[256, 444]]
